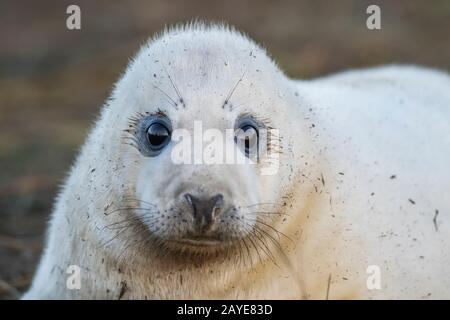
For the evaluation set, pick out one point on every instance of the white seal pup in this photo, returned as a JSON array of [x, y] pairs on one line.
[[346, 196]]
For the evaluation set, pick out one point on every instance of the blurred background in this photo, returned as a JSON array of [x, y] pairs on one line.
[[54, 80]]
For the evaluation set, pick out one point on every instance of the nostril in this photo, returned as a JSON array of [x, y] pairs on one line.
[[192, 201], [217, 200], [216, 212], [217, 203], [189, 198]]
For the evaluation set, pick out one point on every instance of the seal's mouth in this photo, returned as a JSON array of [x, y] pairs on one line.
[[199, 241], [199, 250]]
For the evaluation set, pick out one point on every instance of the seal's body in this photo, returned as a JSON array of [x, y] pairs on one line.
[[348, 194]]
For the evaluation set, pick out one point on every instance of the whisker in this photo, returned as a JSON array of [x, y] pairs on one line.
[[128, 209], [114, 237], [175, 105], [227, 99], [260, 204], [256, 248], [248, 251], [267, 213], [268, 252], [274, 241], [274, 229], [138, 200], [181, 100], [113, 226]]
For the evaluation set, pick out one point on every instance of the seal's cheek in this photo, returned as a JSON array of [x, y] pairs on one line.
[[152, 178]]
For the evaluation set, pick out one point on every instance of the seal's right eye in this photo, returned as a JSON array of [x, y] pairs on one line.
[[158, 136], [153, 133]]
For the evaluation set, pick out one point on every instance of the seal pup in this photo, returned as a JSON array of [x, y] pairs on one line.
[[346, 197]]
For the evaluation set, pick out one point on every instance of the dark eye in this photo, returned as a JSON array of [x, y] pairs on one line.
[[158, 136], [247, 139], [152, 134]]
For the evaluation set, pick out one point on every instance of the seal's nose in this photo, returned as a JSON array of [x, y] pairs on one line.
[[205, 210]]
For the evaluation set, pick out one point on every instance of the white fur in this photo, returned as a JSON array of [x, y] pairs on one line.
[[343, 136]]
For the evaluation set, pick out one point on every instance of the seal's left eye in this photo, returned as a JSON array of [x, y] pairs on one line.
[[247, 139], [158, 136]]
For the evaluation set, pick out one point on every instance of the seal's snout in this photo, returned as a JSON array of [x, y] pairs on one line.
[[205, 210]]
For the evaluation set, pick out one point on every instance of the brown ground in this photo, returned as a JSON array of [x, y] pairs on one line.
[[53, 81]]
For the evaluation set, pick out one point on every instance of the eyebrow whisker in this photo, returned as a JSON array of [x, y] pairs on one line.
[[173, 102], [227, 99], [180, 98]]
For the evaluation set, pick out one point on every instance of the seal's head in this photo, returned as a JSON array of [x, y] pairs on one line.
[[203, 111]]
